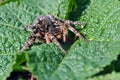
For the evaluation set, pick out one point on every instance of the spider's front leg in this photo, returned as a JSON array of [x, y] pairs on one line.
[[29, 41], [28, 27], [76, 32], [54, 40], [69, 22], [82, 24], [78, 23], [47, 38], [64, 31]]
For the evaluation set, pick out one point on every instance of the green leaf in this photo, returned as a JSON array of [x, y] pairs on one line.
[[44, 61], [86, 59], [112, 76], [2, 2], [15, 15], [6, 65], [82, 61], [103, 20], [102, 30]]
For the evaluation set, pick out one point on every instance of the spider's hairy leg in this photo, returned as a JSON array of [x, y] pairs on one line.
[[74, 22], [64, 34], [54, 40], [59, 36], [47, 38], [78, 23], [29, 41], [63, 29], [82, 24], [28, 27], [76, 33]]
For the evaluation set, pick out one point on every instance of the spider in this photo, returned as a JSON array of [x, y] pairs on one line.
[[48, 29]]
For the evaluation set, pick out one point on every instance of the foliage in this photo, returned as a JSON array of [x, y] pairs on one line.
[[45, 61], [112, 76], [6, 65]]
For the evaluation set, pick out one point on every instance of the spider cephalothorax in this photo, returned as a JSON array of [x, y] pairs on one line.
[[50, 29]]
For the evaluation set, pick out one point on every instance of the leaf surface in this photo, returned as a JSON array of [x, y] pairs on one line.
[[13, 17], [103, 29], [6, 65], [102, 19], [86, 59], [112, 76], [46, 61]]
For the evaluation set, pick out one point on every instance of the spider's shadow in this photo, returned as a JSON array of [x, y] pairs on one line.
[[74, 16]]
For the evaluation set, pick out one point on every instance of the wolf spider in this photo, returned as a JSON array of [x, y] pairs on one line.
[[50, 29]]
